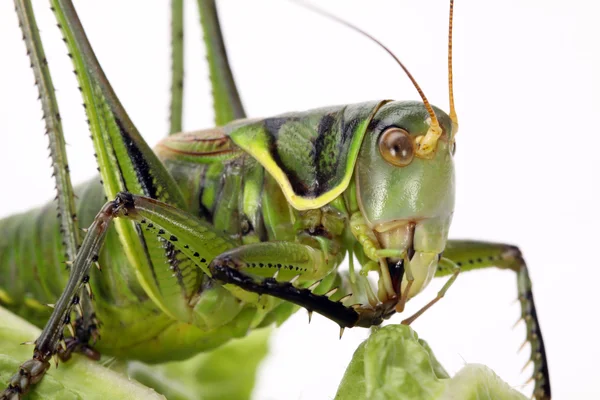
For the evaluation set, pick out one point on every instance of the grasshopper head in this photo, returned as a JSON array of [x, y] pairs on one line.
[[405, 199]]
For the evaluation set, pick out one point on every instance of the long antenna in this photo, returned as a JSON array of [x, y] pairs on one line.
[[453, 116], [427, 143]]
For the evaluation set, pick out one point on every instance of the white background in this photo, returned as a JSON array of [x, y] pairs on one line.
[[527, 161]]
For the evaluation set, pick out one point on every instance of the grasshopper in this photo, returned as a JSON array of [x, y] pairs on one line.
[[226, 230]]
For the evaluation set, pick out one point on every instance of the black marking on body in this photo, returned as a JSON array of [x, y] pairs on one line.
[[348, 128], [272, 127], [323, 151], [142, 171], [140, 165], [333, 137], [138, 228], [377, 125], [178, 262], [203, 211], [325, 124], [174, 264], [298, 186], [278, 266]]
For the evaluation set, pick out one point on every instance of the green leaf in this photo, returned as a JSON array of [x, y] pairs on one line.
[[213, 375], [395, 364], [227, 373], [80, 378], [478, 382]]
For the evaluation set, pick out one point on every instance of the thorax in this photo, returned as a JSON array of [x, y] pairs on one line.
[[229, 188]]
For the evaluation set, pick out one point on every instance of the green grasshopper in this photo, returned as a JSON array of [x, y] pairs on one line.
[[222, 231]]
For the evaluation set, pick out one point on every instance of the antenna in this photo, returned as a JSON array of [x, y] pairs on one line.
[[453, 116], [426, 144]]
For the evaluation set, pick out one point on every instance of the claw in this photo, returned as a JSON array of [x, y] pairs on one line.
[[309, 315], [276, 274], [331, 292], [314, 285], [341, 331]]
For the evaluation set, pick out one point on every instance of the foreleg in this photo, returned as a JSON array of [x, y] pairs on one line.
[[288, 265]]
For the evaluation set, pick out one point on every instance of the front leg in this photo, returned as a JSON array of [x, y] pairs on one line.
[[471, 255], [285, 266], [286, 261]]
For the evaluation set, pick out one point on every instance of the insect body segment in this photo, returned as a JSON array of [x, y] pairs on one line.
[[311, 155]]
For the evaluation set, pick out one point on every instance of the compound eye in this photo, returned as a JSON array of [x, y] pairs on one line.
[[397, 147]]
